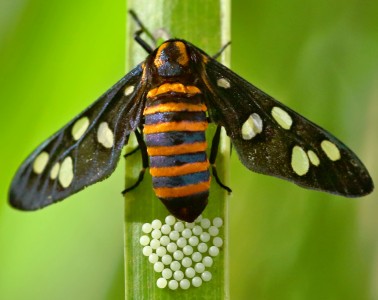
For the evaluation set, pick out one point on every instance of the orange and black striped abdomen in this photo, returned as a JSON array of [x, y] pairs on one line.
[[174, 129]]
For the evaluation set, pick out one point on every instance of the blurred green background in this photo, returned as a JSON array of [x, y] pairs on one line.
[[318, 57]]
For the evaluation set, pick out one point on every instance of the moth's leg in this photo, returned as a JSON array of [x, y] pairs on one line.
[[143, 150], [213, 156], [137, 148], [131, 152]]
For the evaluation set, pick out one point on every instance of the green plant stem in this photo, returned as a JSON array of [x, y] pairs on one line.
[[206, 25]]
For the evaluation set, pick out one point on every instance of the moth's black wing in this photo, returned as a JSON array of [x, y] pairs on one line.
[[292, 150], [83, 152]]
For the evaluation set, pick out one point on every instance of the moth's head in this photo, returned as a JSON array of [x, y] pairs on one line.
[[172, 59]]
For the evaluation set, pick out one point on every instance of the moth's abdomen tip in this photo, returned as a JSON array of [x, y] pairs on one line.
[[187, 208], [187, 214]]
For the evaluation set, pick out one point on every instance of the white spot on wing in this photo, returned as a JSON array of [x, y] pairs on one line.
[[105, 136], [282, 117], [79, 128], [40, 162], [299, 161], [54, 171], [330, 150], [314, 159], [224, 83], [128, 90], [66, 172], [252, 126]]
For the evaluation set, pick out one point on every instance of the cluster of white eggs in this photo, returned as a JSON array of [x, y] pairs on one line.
[[182, 252]]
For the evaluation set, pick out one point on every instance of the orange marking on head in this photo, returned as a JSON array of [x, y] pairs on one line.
[[183, 59], [173, 87], [158, 61], [182, 191], [177, 149], [180, 170], [175, 126], [171, 107]]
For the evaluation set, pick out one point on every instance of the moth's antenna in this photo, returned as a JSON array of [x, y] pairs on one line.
[[216, 55], [142, 29]]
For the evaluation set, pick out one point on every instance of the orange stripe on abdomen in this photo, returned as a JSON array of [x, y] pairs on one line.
[[173, 87], [177, 149], [180, 170], [175, 126], [182, 191], [174, 107]]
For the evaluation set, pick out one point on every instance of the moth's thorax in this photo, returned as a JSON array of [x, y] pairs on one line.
[[171, 59]]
